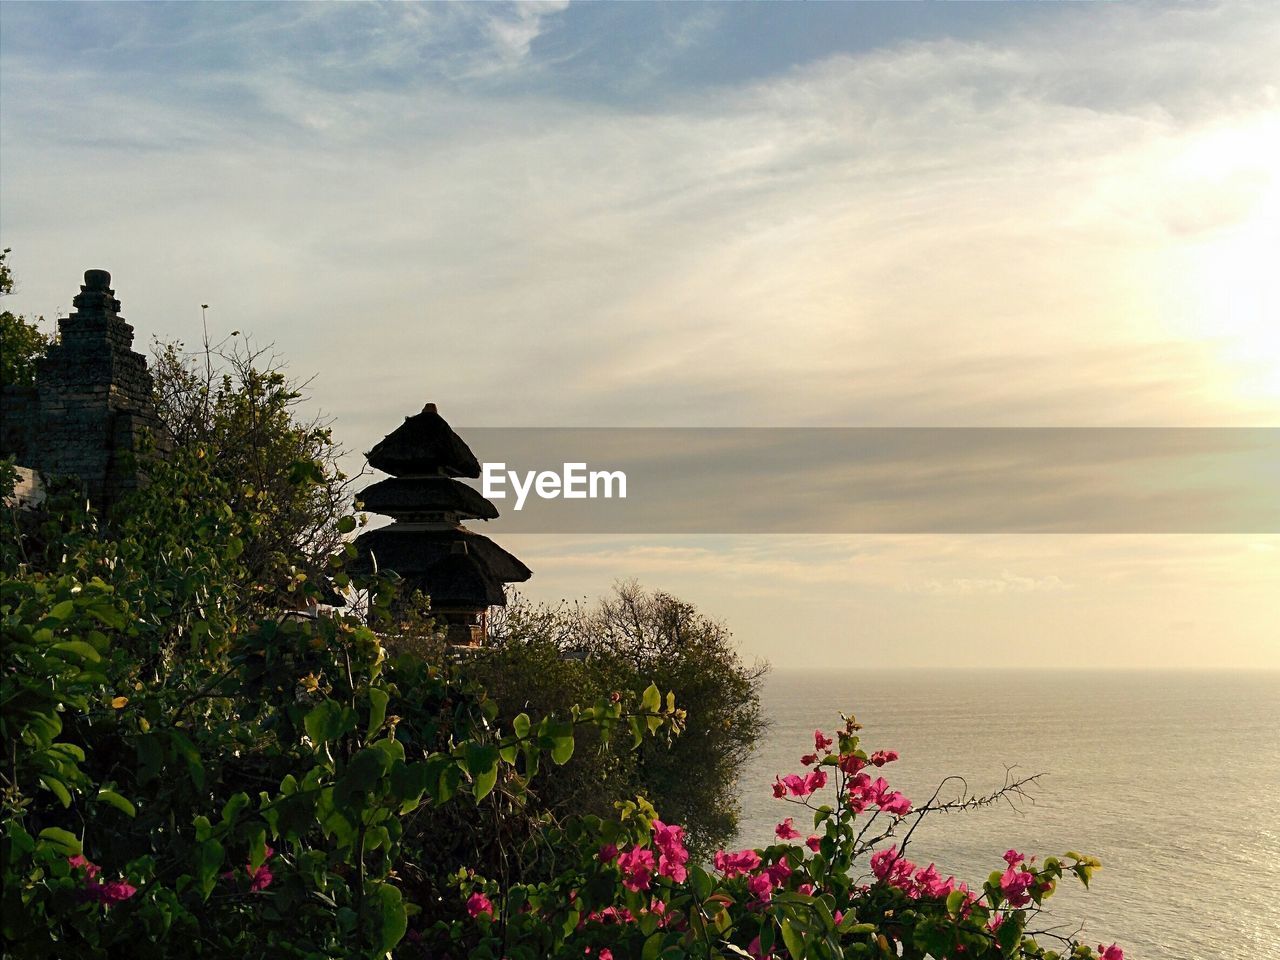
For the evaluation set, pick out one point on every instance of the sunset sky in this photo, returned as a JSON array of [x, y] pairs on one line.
[[712, 215]]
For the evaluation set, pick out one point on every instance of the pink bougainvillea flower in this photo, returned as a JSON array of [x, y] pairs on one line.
[[779, 788], [736, 864], [754, 951], [778, 872], [607, 853], [260, 879], [111, 893], [1110, 953], [813, 843], [1014, 884], [809, 759], [80, 862], [669, 840], [478, 904], [605, 953], [785, 830], [895, 803], [881, 757], [1013, 857], [851, 763], [637, 866], [815, 780], [821, 744], [761, 887]]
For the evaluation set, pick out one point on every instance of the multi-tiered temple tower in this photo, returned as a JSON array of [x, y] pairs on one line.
[[462, 572], [91, 416]]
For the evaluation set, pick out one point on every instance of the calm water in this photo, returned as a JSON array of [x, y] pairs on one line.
[[1171, 779]]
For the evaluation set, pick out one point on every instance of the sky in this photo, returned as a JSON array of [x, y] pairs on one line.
[[713, 215]]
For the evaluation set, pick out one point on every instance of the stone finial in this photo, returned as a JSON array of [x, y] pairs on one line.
[[97, 280], [96, 298]]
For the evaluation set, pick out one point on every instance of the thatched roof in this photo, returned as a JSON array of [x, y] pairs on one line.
[[414, 554], [409, 498], [424, 445]]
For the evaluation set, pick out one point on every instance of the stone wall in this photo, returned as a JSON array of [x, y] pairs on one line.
[[92, 414]]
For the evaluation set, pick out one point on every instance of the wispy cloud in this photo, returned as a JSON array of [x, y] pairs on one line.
[[1015, 225]]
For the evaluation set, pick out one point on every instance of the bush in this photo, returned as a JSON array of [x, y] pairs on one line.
[[547, 657]]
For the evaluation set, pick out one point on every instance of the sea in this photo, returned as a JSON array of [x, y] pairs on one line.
[[1171, 779]]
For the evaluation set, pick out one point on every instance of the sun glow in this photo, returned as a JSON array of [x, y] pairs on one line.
[[1228, 266]]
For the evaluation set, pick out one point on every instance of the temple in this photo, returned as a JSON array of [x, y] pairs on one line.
[[427, 545], [91, 414]]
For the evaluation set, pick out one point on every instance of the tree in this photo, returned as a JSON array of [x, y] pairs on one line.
[[233, 403], [21, 342], [543, 657]]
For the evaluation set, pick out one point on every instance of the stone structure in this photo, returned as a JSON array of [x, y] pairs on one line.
[[91, 414], [462, 572]]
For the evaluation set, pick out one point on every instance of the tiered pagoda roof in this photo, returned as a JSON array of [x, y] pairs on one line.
[[461, 571]]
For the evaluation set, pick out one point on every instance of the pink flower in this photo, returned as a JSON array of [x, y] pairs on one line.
[[813, 843], [809, 759], [778, 872], [260, 879], [760, 887], [895, 803], [806, 889], [813, 781], [637, 866], [478, 904], [754, 951], [1110, 953], [116, 891], [607, 853], [891, 866], [852, 764], [606, 953], [670, 842], [79, 861], [1013, 857], [820, 743], [881, 757], [994, 923], [1014, 885], [736, 864], [779, 788], [785, 831]]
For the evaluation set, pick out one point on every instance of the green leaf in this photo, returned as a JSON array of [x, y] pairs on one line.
[[187, 750], [482, 764], [346, 524], [378, 700], [111, 798], [64, 841], [62, 610], [58, 787], [955, 901], [390, 920], [651, 699], [329, 720], [80, 649], [652, 947], [793, 940], [521, 725], [209, 855]]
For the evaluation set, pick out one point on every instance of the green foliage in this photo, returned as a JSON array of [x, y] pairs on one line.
[[21, 342], [545, 657], [246, 784], [232, 404]]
